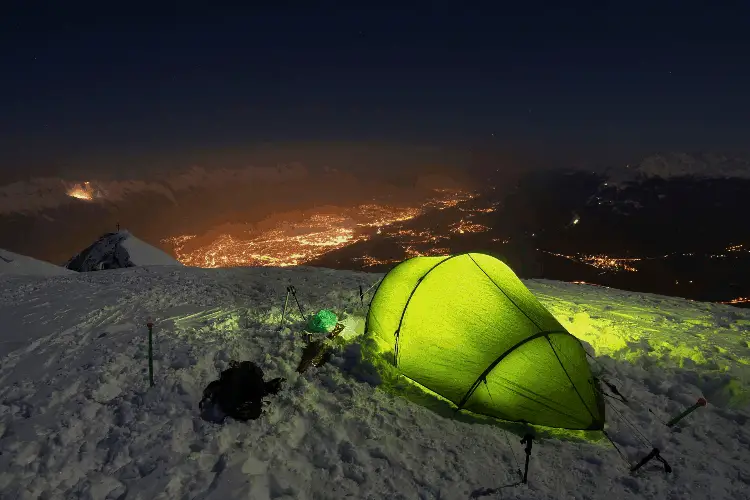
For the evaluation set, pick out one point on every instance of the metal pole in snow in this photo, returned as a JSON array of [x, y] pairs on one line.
[[150, 326]]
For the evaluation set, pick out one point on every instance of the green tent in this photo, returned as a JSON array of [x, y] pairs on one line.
[[468, 329]]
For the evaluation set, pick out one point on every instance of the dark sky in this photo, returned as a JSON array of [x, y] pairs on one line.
[[116, 84]]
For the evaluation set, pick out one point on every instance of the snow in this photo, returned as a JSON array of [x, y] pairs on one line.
[[143, 254], [119, 250], [15, 264], [78, 420]]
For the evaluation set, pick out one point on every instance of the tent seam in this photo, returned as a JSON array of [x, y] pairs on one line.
[[408, 300], [593, 418], [504, 293], [497, 361]]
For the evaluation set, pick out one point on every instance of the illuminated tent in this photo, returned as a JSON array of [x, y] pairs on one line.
[[468, 329]]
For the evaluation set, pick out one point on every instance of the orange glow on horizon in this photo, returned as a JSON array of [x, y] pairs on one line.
[[81, 191]]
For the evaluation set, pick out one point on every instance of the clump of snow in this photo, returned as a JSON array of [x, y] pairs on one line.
[[79, 420], [119, 250], [21, 265]]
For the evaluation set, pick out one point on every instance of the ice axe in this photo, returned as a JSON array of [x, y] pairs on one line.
[[688, 411]]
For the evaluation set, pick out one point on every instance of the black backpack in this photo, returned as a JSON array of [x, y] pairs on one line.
[[240, 390]]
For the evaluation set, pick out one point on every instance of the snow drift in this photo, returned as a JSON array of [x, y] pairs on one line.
[[15, 264], [119, 250], [78, 420]]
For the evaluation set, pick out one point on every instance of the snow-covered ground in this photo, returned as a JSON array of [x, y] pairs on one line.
[[78, 420], [16, 264]]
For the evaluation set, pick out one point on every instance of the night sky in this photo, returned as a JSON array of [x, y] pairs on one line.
[[124, 86]]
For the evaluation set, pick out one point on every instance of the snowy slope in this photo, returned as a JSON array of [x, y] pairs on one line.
[[119, 250], [78, 420], [15, 264], [143, 254]]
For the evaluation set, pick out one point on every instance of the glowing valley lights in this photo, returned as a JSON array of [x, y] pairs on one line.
[[381, 215], [416, 237], [609, 263], [414, 252], [448, 198], [409, 252], [462, 227], [81, 191], [487, 210], [368, 261], [305, 241], [285, 246], [738, 300], [602, 261]]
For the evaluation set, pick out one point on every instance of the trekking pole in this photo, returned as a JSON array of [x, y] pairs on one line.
[[365, 292], [283, 311], [688, 411], [291, 290], [150, 326], [527, 440]]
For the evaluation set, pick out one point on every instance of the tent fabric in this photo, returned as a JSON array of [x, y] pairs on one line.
[[467, 328]]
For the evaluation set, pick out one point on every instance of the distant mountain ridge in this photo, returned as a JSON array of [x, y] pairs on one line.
[[679, 165]]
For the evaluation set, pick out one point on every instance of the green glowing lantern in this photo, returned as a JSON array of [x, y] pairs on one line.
[[466, 328], [322, 322]]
